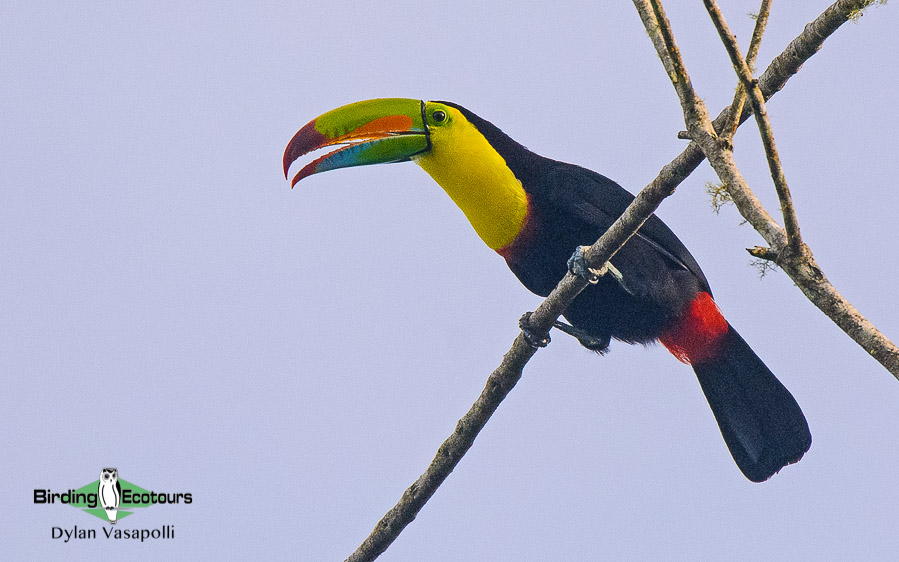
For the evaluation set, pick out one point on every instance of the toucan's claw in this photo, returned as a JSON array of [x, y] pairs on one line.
[[577, 265], [530, 335]]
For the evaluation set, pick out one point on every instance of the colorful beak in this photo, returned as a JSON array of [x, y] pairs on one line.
[[369, 132]]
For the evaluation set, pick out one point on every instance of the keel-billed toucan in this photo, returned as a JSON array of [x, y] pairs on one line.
[[535, 212]]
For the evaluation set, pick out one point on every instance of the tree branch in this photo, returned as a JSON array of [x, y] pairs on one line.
[[504, 378], [775, 77], [779, 72], [796, 260], [736, 107], [791, 222], [499, 383]]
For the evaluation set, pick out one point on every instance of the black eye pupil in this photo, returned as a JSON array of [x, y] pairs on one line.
[[439, 116]]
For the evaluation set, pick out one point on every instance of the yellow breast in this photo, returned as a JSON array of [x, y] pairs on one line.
[[477, 179]]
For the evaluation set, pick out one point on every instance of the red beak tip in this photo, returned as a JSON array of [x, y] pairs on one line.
[[304, 141]]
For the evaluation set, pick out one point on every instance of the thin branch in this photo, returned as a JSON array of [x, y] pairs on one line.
[[775, 77], [736, 107], [791, 222], [504, 378], [755, 42]]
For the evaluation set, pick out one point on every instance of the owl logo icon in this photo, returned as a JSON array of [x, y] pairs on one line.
[[110, 492]]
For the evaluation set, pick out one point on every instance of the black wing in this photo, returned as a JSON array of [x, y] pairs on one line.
[[597, 200]]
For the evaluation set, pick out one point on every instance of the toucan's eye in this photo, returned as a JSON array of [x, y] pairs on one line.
[[439, 116]]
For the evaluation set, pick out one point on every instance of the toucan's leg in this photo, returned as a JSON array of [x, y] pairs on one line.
[[578, 266], [599, 345]]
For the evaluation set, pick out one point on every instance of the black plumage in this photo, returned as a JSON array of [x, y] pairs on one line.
[[568, 206]]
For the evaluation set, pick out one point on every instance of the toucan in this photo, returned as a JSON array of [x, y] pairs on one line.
[[535, 212]]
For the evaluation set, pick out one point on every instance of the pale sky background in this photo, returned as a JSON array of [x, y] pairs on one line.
[[293, 358]]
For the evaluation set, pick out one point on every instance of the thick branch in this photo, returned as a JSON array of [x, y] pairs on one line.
[[805, 272], [807, 44], [504, 378], [499, 383]]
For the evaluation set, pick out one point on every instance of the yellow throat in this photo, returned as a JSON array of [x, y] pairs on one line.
[[476, 177]]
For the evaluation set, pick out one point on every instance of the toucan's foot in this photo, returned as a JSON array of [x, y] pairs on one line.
[[599, 345], [577, 265], [532, 337]]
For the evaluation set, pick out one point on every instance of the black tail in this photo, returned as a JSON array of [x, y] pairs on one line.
[[760, 420]]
